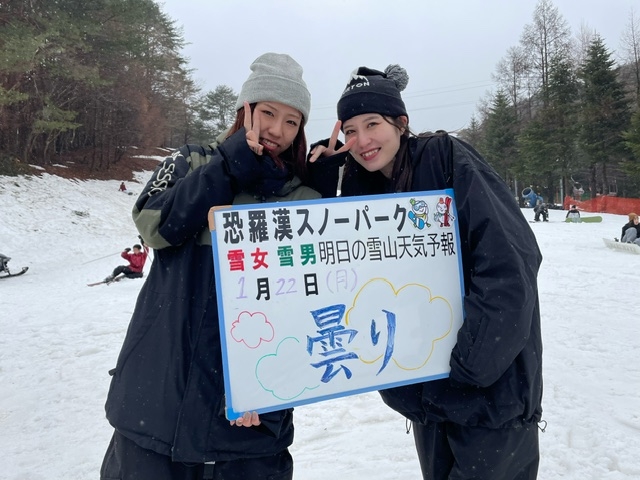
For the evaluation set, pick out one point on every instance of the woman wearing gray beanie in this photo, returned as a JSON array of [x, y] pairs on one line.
[[166, 399]]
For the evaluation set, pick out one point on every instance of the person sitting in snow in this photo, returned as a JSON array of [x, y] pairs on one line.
[[543, 210], [123, 188], [573, 214], [136, 261], [631, 230]]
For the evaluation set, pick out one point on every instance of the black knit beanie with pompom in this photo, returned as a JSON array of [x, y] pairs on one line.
[[373, 91]]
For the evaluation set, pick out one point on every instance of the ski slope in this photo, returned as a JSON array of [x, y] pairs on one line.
[[58, 339]]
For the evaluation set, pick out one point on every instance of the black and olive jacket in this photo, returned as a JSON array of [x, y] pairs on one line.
[[167, 391]]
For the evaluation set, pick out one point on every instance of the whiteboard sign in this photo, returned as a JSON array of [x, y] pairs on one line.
[[328, 298]]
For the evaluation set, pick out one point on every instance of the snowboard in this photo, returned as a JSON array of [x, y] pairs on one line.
[[592, 219], [117, 279], [625, 247], [9, 275]]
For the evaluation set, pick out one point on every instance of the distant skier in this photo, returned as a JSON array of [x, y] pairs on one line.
[[136, 261], [578, 191], [123, 188]]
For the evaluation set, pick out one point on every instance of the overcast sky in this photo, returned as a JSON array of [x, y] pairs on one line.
[[449, 49]]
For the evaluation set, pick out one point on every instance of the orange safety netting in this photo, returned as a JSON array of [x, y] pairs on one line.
[[605, 204]]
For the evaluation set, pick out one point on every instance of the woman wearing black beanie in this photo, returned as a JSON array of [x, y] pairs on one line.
[[482, 421]]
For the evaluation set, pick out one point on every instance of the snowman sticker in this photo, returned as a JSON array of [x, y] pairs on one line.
[[443, 212], [419, 213]]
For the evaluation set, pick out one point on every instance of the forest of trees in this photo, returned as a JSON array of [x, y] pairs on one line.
[[565, 111], [89, 78]]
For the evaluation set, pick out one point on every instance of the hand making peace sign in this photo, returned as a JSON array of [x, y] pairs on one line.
[[253, 130], [330, 149]]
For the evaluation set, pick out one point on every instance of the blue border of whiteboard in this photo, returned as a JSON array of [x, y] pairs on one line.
[[232, 414]]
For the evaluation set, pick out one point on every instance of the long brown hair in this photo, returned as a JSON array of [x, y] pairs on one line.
[[294, 157], [402, 173]]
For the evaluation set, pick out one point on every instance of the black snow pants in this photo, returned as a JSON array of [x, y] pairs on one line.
[[448, 451], [125, 460], [127, 272]]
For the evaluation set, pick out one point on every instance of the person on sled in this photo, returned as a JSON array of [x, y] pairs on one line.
[[4, 268], [4, 260]]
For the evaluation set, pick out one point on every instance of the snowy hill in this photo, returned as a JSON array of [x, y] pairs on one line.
[[58, 339]]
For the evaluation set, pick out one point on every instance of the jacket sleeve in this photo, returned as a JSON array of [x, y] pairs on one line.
[[324, 173], [173, 205], [500, 265]]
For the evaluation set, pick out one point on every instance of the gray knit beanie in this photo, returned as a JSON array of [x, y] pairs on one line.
[[276, 77]]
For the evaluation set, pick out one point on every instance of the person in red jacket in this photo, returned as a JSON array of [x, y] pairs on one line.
[[136, 261]]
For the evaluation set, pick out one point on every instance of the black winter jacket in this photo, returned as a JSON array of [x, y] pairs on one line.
[[167, 393], [496, 365], [629, 225]]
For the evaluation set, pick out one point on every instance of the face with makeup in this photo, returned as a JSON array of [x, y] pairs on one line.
[[375, 141], [275, 124]]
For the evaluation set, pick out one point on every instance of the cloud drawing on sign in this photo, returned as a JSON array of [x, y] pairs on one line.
[[287, 373], [398, 325], [252, 329]]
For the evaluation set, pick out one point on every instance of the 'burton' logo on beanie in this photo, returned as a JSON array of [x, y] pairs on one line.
[[357, 81]]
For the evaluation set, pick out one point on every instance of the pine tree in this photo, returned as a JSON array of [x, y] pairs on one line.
[[548, 143], [97, 75], [561, 114], [473, 134], [631, 166], [217, 112], [535, 166], [604, 115], [499, 144]]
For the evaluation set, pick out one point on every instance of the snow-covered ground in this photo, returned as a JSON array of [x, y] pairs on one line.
[[58, 339]]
